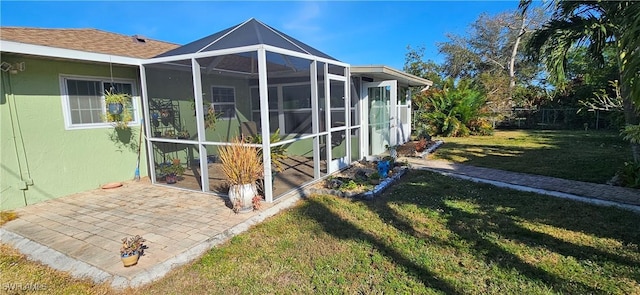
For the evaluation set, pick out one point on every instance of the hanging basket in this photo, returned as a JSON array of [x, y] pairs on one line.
[[115, 108]]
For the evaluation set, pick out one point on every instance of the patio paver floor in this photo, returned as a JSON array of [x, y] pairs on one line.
[[81, 233]]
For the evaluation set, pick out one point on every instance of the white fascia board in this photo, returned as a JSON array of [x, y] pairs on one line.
[[39, 50], [305, 56], [201, 54], [392, 72]]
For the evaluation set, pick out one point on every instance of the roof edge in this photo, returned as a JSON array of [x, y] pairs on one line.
[[85, 29], [57, 52], [412, 79]]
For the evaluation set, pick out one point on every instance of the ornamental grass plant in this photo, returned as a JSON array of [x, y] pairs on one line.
[[240, 162]]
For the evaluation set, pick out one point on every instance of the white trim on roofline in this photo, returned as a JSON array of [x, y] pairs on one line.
[[241, 49], [24, 48]]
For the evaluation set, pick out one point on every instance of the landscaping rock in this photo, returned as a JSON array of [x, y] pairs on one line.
[[361, 175], [334, 183]]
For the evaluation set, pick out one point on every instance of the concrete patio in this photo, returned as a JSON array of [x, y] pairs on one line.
[[82, 233]]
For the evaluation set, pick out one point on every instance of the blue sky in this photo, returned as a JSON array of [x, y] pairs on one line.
[[355, 32]]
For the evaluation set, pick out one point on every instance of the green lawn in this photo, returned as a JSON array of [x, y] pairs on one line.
[[591, 156], [429, 234]]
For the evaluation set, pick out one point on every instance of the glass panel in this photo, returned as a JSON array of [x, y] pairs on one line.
[[85, 99], [379, 123], [321, 98], [297, 122], [338, 145], [223, 94], [85, 117], [296, 169], [323, 154], [179, 159], [273, 105], [171, 100], [255, 98], [75, 117], [355, 102], [217, 182], [228, 82], [355, 144], [292, 75], [84, 102], [96, 116], [337, 105], [336, 70], [402, 95], [296, 97]]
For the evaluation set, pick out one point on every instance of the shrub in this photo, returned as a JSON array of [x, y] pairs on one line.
[[450, 111], [481, 126], [629, 174]]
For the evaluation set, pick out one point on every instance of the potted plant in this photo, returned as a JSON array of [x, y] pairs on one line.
[[171, 171], [278, 153], [374, 178], [241, 167], [210, 118], [184, 134], [118, 105], [132, 248]]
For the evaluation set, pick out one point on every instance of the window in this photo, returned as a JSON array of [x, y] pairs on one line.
[[224, 101], [83, 100]]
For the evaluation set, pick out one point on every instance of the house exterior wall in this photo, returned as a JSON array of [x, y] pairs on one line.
[[40, 159]]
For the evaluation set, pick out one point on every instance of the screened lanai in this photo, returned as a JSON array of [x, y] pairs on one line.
[[249, 81]]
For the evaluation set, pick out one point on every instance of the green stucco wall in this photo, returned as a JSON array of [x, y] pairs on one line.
[[36, 148]]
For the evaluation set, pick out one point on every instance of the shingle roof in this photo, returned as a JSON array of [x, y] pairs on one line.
[[90, 40], [250, 32]]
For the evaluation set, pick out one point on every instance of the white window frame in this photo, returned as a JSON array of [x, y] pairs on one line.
[[215, 104], [66, 109]]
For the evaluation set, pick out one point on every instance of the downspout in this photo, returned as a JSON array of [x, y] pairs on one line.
[[15, 124]]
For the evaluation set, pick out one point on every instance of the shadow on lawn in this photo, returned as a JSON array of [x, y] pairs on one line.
[[585, 156], [489, 221], [343, 229]]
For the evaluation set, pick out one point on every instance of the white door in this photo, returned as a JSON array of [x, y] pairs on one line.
[[381, 98]]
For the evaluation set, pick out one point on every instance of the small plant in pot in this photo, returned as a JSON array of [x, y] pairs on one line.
[[171, 171], [132, 248], [241, 167], [118, 105], [374, 178]]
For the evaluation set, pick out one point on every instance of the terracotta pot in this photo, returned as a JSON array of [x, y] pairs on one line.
[[130, 260], [171, 178]]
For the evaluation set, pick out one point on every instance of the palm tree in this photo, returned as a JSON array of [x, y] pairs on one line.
[[596, 25]]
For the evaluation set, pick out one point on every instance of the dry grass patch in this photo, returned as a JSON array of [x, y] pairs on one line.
[[6, 216], [21, 276]]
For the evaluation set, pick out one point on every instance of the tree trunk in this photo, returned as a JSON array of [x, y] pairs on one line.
[[514, 53], [630, 117], [630, 112]]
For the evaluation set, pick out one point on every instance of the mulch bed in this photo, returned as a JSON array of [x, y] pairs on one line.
[[409, 149]]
